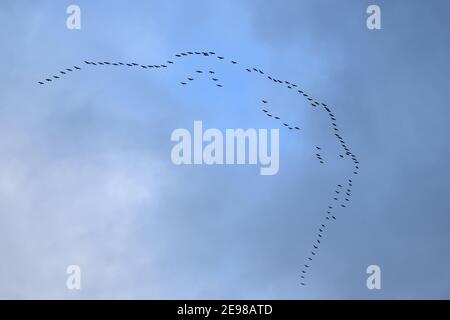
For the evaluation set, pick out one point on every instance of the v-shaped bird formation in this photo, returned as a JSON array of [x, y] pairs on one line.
[[342, 192]]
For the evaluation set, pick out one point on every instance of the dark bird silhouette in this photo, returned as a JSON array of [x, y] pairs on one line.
[[233, 62], [214, 79], [69, 70], [199, 71], [190, 79], [56, 77], [248, 70], [219, 85], [264, 101], [183, 83], [212, 72], [40, 82], [62, 72], [278, 118], [49, 80], [221, 58]]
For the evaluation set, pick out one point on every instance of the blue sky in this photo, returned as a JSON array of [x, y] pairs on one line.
[[86, 176]]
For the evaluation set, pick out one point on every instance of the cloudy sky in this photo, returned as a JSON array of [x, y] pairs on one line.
[[86, 176]]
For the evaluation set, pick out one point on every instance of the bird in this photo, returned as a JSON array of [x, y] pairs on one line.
[[56, 77], [333, 217], [69, 70], [49, 80], [178, 55], [233, 62], [212, 72], [264, 110], [183, 83], [278, 118], [219, 85], [221, 58], [264, 101], [310, 259], [214, 79], [248, 70], [62, 72], [40, 82], [199, 71], [306, 266], [297, 128], [302, 283], [170, 62], [313, 253], [190, 79]]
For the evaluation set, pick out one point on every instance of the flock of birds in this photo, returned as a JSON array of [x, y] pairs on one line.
[[342, 192]]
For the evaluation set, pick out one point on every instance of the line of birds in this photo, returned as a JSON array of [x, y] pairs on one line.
[[330, 215]]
